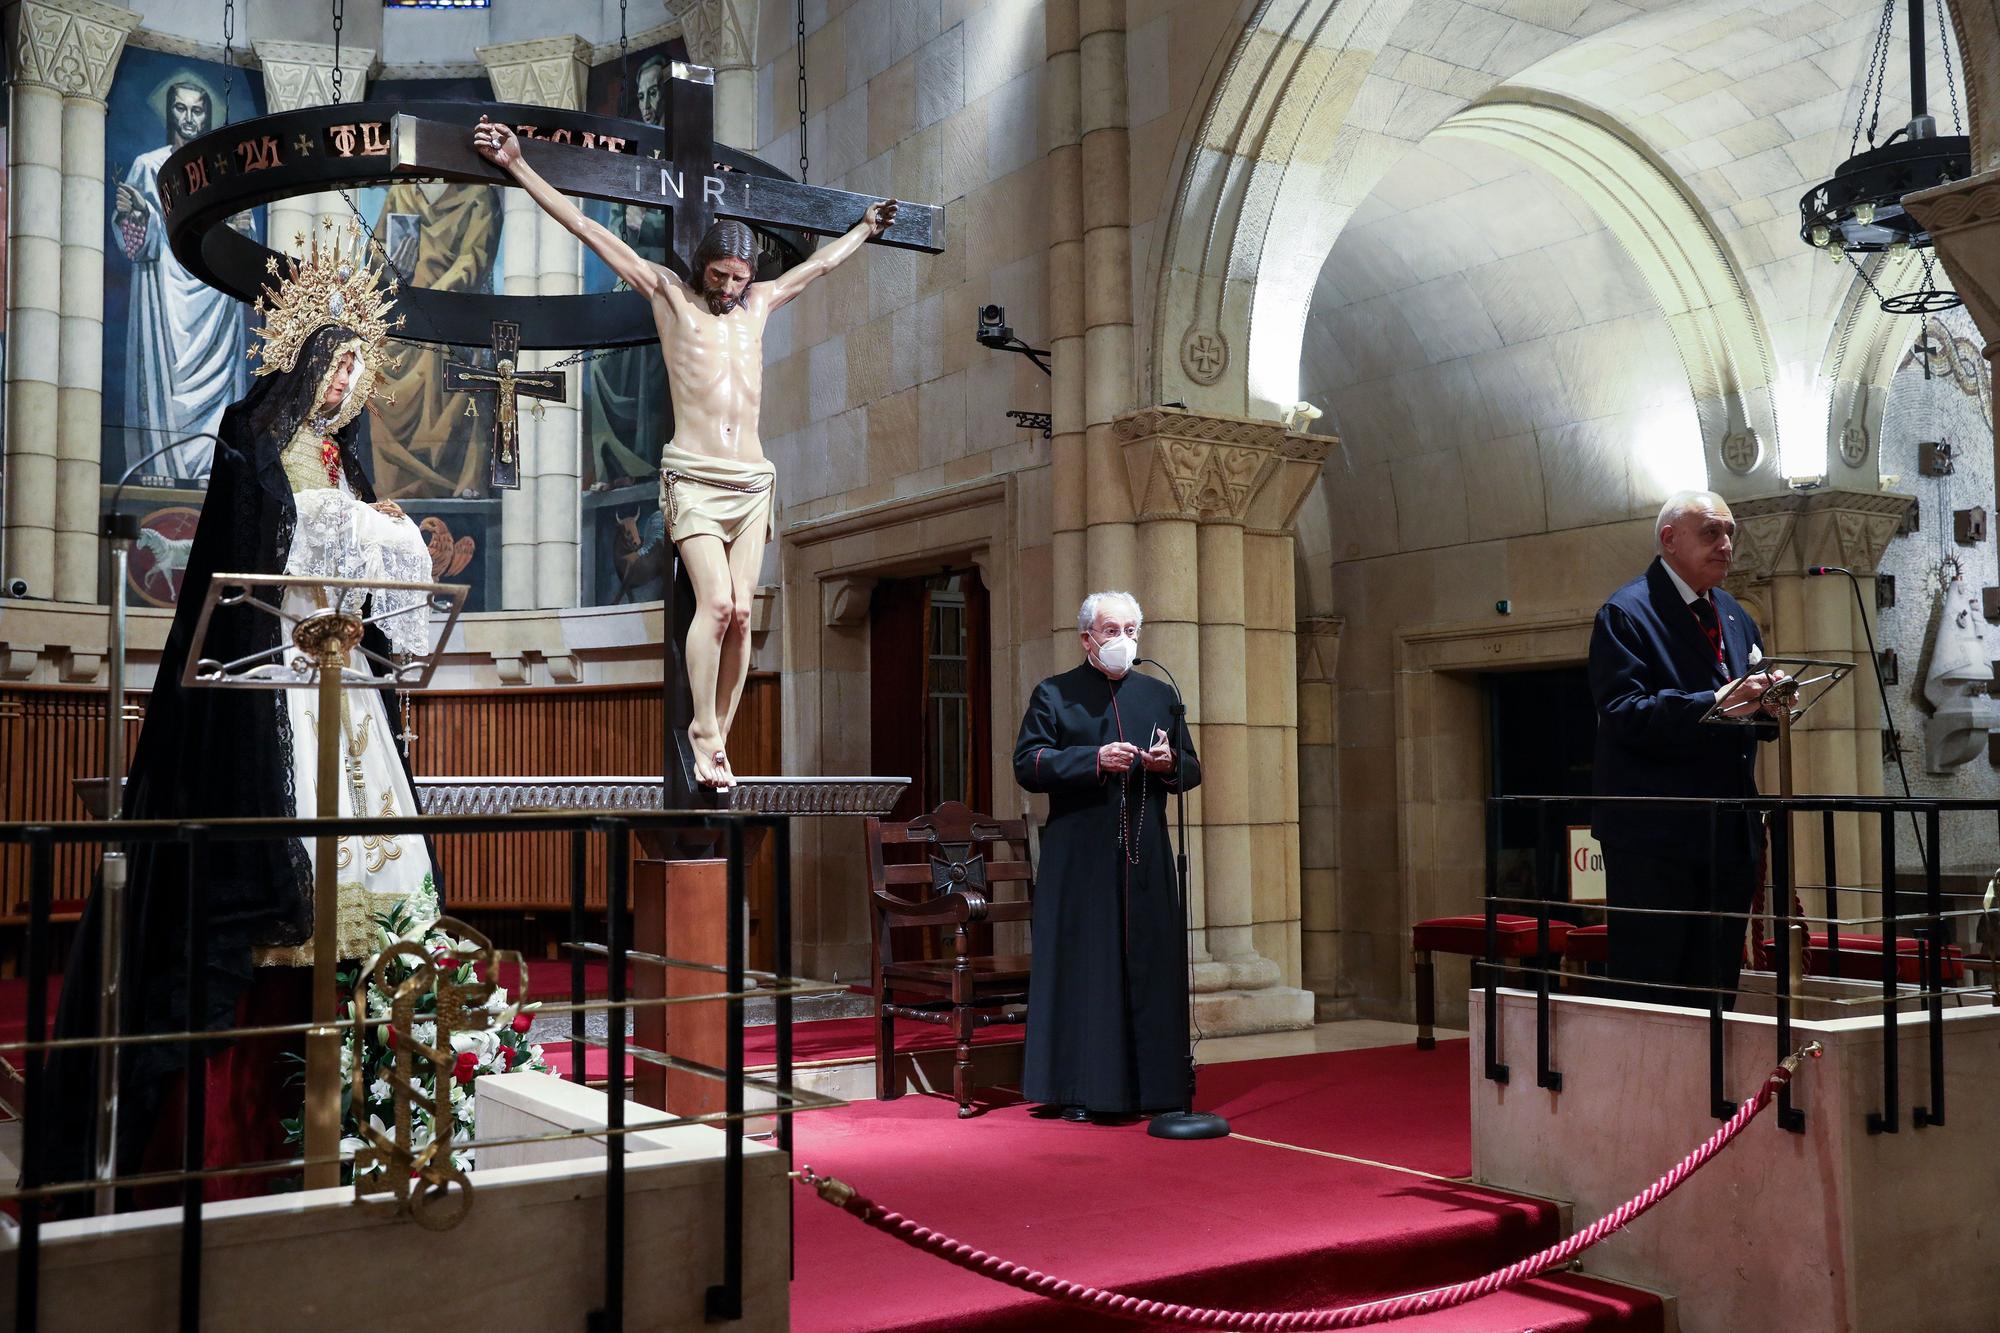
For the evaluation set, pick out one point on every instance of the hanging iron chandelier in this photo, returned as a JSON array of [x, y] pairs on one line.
[[1860, 211]]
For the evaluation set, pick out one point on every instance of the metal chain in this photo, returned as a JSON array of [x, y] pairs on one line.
[[1878, 66], [803, 160], [628, 96], [339, 22], [228, 54], [1950, 83]]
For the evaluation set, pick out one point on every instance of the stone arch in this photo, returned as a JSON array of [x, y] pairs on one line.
[[1724, 346], [1860, 362]]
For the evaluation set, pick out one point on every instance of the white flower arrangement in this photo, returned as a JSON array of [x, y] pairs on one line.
[[500, 1049]]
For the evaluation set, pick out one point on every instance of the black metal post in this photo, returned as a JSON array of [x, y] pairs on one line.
[[1919, 93], [1495, 1071], [618, 868], [1886, 1120], [1719, 1103], [1544, 886], [725, 1299], [1930, 953], [194, 1141], [1781, 939], [1829, 860], [28, 1257], [579, 875], [781, 945]]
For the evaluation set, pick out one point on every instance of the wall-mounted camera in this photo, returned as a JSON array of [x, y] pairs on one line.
[[994, 332], [17, 587], [993, 329]]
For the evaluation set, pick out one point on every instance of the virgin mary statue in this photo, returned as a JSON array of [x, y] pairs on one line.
[[287, 496]]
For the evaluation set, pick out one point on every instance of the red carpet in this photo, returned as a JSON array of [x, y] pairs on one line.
[[1225, 1223], [820, 1040], [1392, 1104]]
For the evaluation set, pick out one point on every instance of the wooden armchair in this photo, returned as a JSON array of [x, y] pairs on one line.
[[969, 858]]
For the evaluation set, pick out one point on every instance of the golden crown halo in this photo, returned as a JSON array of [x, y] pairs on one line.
[[338, 281]]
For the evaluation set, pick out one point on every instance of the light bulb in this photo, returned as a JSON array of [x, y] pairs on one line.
[[1864, 213], [1898, 249], [1820, 236]]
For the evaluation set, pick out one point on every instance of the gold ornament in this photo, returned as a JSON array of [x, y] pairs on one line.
[[340, 281]]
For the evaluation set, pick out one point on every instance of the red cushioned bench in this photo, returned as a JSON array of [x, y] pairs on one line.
[[1860, 959], [1588, 944], [1514, 937]]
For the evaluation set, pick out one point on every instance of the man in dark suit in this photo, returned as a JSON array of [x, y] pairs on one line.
[[1664, 646]]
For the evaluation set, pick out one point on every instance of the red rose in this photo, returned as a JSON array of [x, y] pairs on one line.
[[467, 1063], [506, 1058], [522, 1022], [392, 1035]]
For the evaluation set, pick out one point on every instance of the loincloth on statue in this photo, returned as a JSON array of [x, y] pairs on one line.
[[717, 496]]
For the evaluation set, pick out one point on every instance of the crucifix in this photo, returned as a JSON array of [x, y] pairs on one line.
[[719, 273], [506, 384]]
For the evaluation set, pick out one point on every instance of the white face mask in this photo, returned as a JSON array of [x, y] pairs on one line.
[[1119, 654]]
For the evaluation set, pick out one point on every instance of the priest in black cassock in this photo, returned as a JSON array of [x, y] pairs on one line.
[[1109, 984]]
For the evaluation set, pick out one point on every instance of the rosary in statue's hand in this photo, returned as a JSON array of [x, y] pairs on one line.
[[389, 507]]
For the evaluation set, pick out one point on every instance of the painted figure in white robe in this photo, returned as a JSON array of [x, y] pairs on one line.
[[184, 340]]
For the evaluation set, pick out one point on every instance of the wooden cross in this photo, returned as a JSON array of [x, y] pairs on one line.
[[684, 179], [506, 384]]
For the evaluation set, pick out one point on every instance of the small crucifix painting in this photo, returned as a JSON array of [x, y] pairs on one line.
[[506, 384]]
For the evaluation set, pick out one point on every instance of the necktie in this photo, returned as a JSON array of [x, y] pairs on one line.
[[1704, 613]]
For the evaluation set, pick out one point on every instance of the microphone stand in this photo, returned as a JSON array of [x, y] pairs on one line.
[[120, 531], [1186, 1123]]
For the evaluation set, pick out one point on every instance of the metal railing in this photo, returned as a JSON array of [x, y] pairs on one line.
[[1930, 926], [36, 1191]]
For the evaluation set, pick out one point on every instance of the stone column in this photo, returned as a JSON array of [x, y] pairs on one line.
[[299, 75], [1837, 747], [1106, 164], [65, 54], [1225, 492], [520, 258], [539, 523], [1319, 812], [559, 441], [1061, 95], [717, 36]]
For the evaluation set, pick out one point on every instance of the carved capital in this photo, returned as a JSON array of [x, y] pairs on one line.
[[71, 46], [845, 600], [1319, 649], [714, 31], [550, 71], [1786, 534], [1963, 219], [1763, 534], [1216, 469], [300, 74], [1849, 528]]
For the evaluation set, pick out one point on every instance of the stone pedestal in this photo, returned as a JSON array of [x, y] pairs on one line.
[[1215, 500], [1832, 1228], [65, 52]]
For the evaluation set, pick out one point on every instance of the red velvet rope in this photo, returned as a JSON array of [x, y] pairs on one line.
[[845, 1197]]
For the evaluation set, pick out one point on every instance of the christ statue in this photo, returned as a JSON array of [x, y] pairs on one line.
[[184, 338], [715, 483]]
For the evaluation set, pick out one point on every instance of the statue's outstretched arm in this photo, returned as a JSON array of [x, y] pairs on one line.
[[831, 256], [498, 145]]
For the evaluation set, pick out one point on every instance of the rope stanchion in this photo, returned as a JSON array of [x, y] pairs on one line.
[[845, 1197]]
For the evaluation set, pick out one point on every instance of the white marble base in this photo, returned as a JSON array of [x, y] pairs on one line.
[[1235, 1013], [528, 1256], [1831, 1229]]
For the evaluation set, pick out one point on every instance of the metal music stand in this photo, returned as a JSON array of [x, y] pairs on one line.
[[313, 653], [1806, 681]]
